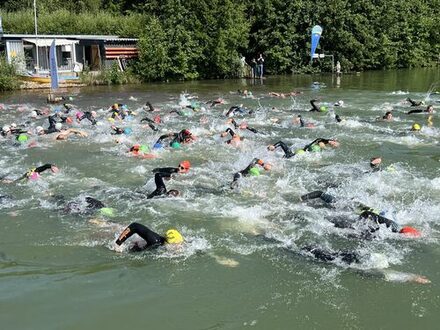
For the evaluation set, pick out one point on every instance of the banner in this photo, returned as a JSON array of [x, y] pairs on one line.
[[53, 66], [316, 34]]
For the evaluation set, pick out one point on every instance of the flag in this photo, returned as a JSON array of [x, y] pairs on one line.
[[53, 65], [316, 34]]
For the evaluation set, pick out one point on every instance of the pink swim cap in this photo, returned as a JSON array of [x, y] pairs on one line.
[[79, 114], [34, 176]]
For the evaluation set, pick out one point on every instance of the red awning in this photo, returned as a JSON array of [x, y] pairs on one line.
[[112, 52]]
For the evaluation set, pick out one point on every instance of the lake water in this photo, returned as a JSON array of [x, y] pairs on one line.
[[63, 271]]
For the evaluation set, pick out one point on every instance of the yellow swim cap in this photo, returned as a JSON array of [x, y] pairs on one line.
[[416, 127], [173, 236], [299, 152]]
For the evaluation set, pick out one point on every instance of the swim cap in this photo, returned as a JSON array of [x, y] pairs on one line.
[[157, 145], [107, 211], [323, 108], [128, 131], [254, 171], [315, 148], [175, 145], [185, 164], [115, 106], [39, 129], [34, 114], [124, 107], [69, 120], [416, 127], [144, 148], [22, 138], [299, 151], [173, 236], [110, 119], [410, 232], [58, 126], [6, 128], [34, 176]]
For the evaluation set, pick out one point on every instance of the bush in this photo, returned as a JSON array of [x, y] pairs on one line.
[[8, 75]]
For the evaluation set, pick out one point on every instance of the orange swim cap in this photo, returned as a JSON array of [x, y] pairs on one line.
[[410, 232], [69, 120], [185, 165]]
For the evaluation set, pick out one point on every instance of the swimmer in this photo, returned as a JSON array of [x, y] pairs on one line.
[[338, 119], [316, 108], [149, 107], [116, 130], [152, 239], [340, 103], [150, 123], [68, 132], [251, 169], [91, 205], [184, 136], [429, 109], [184, 167], [117, 112], [288, 153], [141, 151], [161, 189], [34, 174], [55, 129], [216, 102], [89, 115], [414, 103], [243, 125], [321, 143], [387, 117], [300, 121], [235, 138], [237, 110], [365, 213], [283, 95]]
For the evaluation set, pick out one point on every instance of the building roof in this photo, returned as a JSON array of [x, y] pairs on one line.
[[68, 36]]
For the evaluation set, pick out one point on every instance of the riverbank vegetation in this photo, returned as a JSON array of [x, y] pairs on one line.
[[196, 39]]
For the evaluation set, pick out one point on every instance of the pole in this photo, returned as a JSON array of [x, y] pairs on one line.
[[36, 35]]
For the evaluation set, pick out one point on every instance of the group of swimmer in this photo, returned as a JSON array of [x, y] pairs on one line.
[[373, 219]]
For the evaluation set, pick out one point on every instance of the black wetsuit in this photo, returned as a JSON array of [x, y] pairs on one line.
[[253, 130], [338, 119], [417, 111], [366, 213], [161, 189], [166, 170], [314, 106], [150, 123], [180, 137], [326, 255], [414, 103], [236, 110], [244, 172], [117, 131], [153, 239], [38, 170], [88, 115], [92, 205], [150, 106], [287, 151]]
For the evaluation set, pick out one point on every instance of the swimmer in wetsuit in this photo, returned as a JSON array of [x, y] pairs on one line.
[[365, 213], [150, 123], [251, 169], [241, 126], [161, 189], [347, 257], [414, 103], [237, 110], [429, 109], [152, 239], [288, 153], [35, 172], [184, 136], [90, 116], [235, 138], [183, 167]]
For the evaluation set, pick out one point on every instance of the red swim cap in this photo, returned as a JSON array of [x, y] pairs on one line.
[[69, 120], [410, 232], [185, 164]]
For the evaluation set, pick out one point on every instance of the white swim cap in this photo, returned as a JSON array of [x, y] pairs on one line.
[[39, 128], [58, 126], [34, 114], [6, 128]]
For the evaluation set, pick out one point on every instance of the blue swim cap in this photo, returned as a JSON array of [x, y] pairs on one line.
[[128, 131], [157, 145]]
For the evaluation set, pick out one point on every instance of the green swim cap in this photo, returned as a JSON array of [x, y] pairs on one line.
[[144, 148], [315, 148], [254, 171], [175, 145], [323, 108], [299, 152], [22, 138], [107, 211]]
